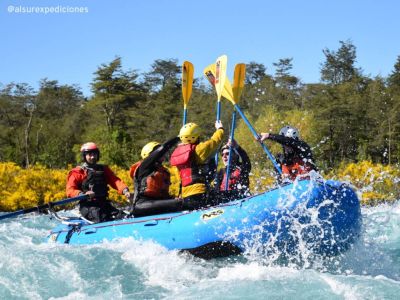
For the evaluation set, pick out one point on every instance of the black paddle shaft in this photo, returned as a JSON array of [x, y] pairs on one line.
[[41, 207]]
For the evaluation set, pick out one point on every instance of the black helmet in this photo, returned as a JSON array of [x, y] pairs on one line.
[[224, 147]]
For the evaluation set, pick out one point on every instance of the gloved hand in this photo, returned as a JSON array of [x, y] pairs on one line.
[[90, 194], [263, 136], [218, 125], [232, 143], [129, 197], [127, 194]]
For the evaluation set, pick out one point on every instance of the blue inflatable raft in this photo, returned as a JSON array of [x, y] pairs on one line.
[[323, 216]]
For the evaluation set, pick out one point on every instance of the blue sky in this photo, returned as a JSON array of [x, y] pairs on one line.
[[69, 47]]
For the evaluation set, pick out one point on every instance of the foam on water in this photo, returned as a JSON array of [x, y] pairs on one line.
[[303, 230], [130, 269]]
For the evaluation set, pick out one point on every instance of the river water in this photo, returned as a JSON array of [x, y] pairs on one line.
[[128, 269]]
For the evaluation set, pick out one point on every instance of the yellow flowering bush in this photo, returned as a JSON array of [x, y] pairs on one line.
[[124, 175], [260, 180], [23, 188], [376, 182]]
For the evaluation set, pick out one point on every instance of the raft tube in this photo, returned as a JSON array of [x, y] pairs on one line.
[[323, 216]]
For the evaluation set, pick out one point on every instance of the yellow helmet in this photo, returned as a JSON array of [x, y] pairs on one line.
[[148, 148], [189, 133]]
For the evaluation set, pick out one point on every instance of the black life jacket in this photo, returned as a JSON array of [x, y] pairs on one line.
[[95, 181]]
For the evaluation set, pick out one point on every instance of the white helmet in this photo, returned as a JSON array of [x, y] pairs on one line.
[[290, 132]]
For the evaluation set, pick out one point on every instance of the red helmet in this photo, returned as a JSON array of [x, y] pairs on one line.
[[89, 147]]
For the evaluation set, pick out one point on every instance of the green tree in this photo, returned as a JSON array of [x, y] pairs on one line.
[[160, 115], [114, 91], [254, 72], [393, 114], [394, 76], [161, 73], [340, 111], [258, 95], [282, 73], [377, 120], [288, 86], [58, 123], [17, 111], [339, 66]]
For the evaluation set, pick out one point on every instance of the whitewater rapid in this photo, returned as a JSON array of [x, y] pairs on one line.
[[128, 269]]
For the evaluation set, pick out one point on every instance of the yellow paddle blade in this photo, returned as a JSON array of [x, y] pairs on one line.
[[227, 93], [238, 81], [187, 81], [220, 74]]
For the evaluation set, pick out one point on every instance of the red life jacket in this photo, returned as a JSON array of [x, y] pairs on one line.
[[297, 168], [182, 158], [234, 179], [156, 185]]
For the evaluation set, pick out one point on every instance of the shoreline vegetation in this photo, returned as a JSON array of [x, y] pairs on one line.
[[350, 119], [23, 188]]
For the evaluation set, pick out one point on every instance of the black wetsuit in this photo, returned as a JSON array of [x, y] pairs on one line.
[[143, 205], [296, 149], [243, 166]]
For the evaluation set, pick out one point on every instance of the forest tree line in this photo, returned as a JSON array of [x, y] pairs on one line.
[[348, 116]]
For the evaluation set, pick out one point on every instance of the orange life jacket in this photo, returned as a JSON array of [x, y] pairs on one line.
[[189, 171], [156, 185], [297, 168], [234, 179]]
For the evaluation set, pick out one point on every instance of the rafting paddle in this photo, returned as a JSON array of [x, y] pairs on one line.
[[41, 207], [228, 95], [209, 72], [187, 83], [220, 77], [238, 85]]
